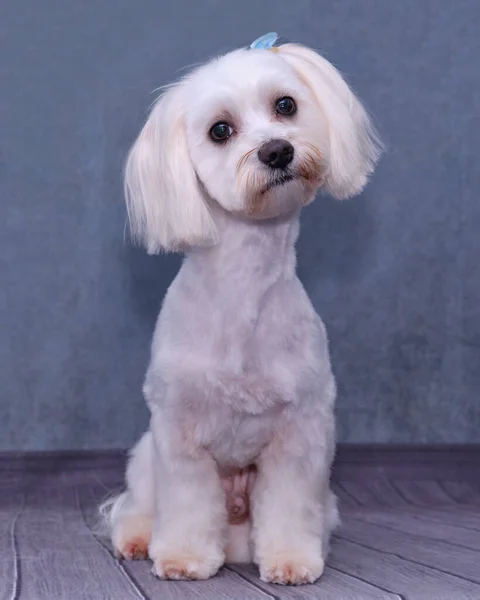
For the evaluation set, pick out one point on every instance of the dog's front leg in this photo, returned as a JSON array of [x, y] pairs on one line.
[[293, 510], [190, 513]]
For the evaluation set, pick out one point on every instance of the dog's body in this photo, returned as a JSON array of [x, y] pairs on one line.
[[240, 371]]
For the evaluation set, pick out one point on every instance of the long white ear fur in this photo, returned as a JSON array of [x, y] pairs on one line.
[[165, 205], [354, 144]]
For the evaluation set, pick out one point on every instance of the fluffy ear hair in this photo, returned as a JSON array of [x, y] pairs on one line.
[[165, 205], [354, 145]]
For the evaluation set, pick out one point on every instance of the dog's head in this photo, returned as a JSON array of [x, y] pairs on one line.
[[256, 131]]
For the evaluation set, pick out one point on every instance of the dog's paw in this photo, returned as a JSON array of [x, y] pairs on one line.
[[291, 570], [185, 566], [131, 537], [134, 549]]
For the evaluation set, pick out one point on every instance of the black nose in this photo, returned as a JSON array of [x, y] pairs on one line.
[[276, 154]]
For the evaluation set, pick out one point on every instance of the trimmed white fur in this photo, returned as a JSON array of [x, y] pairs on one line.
[[240, 371]]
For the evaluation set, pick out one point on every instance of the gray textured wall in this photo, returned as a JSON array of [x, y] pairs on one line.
[[395, 273]]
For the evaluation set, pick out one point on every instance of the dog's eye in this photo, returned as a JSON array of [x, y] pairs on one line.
[[286, 106], [220, 132]]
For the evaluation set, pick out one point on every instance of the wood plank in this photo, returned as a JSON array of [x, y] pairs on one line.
[[60, 558], [461, 492], [423, 493], [450, 559], [459, 517], [384, 493], [462, 517], [333, 585], [362, 493], [392, 493], [407, 579], [416, 525]]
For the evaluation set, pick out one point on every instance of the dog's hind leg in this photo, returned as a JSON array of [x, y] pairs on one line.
[[129, 515]]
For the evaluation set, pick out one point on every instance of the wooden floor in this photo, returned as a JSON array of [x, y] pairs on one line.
[[411, 530]]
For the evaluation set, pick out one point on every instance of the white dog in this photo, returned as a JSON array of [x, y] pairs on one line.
[[240, 372]]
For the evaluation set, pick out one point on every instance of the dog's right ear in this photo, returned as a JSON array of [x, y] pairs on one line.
[[354, 144], [165, 204]]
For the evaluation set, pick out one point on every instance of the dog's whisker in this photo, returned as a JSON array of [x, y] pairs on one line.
[[244, 158]]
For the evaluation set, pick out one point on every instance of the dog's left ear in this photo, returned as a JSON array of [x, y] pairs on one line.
[[354, 144]]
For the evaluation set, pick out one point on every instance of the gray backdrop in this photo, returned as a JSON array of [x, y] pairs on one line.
[[394, 273]]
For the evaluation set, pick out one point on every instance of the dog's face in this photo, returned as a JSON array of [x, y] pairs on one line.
[[257, 132]]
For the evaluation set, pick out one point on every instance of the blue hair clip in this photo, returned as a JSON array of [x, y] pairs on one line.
[[265, 42]]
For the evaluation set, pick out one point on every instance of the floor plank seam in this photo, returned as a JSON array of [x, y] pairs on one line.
[[132, 581], [17, 569], [251, 582], [375, 585]]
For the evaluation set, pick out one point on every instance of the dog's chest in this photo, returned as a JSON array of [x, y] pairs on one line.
[[229, 369], [240, 442], [235, 439]]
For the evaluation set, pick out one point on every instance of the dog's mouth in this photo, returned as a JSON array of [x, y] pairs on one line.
[[278, 181]]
